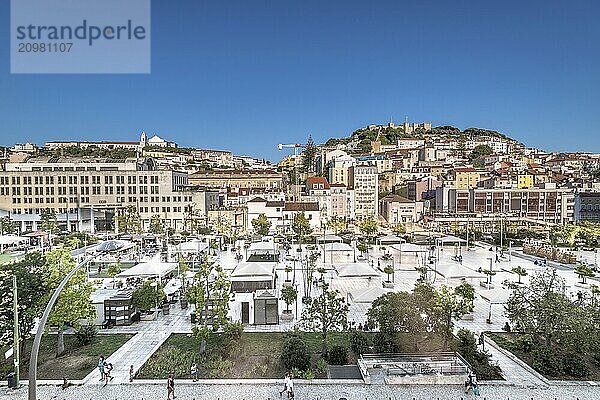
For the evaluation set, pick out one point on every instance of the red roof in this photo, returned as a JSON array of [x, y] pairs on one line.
[[319, 180]]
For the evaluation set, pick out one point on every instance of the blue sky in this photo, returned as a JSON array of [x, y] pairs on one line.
[[247, 75]]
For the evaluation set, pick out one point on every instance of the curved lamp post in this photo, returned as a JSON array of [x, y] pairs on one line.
[[40, 330]]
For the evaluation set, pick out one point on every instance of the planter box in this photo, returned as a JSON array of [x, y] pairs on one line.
[[287, 283], [486, 285], [388, 285], [287, 316]]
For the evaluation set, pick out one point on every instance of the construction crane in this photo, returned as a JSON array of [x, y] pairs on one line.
[[295, 146]]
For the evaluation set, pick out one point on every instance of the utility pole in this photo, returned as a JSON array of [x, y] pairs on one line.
[[16, 332]]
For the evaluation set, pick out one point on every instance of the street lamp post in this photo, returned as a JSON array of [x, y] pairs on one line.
[[40, 330]]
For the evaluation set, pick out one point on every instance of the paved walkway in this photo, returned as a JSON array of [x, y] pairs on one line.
[[304, 391], [149, 336], [514, 373]]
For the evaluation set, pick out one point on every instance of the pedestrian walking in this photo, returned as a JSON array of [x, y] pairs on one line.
[[101, 368], [194, 372], [170, 387], [286, 382], [108, 367], [130, 373], [290, 388]]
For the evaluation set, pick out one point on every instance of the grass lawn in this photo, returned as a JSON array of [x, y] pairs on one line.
[[510, 342], [256, 355], [75, 363]]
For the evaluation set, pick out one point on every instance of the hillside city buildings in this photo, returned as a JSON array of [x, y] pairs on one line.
[[426, 177]]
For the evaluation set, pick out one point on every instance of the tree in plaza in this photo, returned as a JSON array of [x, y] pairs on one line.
[[222, 225], [451, 304], [489, 273], [73, 304], [520, 271], [128, 220], [399, 229], [289, 295], [395, 313], [7, 226], [308, 155], [48, 221], [556, 323], [32, 290], [325, 313], [389, 270], [362, 246], [336, 224], [308, 272], [156, 226], [211, 293], [584, 272], [368, 227], [148, 296], [301, 226], [261, 225], [564, 234], [114, 270]]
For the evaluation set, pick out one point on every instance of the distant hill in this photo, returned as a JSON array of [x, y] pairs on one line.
[[360, 140]]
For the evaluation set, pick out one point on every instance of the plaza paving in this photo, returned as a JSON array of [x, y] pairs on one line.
[[236, 390]]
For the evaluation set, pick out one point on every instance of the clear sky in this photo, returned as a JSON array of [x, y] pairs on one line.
[[246, 75]]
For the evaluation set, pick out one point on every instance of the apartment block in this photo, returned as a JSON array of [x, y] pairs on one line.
[[85, 193]]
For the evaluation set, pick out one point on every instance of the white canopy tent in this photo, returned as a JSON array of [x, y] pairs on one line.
[[457, 271], [246, 271], [367, 295], [262, 248], [153, 268], [337, 253], [390, 239], [329, 239], [450, 240], [354, 270], [194, 246]]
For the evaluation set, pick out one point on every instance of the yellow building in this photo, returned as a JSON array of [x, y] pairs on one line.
[[466, 178], [524, 181]]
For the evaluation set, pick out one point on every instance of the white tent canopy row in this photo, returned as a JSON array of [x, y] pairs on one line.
[[9, 240], [153, 268]]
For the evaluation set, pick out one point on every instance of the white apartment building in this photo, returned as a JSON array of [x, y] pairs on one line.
[[86, 193], [364, 181]]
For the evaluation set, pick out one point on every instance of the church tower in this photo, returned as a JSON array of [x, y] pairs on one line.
[[143, 140]]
